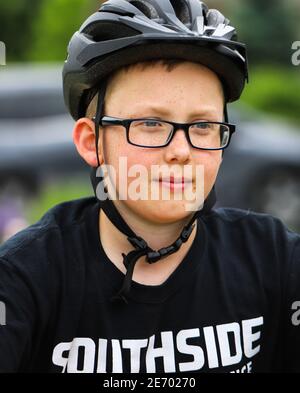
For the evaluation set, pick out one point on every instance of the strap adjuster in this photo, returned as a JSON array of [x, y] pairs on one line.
[[138, 242], [153, 256], [186, 233]]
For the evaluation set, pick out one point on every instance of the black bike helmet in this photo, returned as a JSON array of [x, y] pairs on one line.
[[124, 32]]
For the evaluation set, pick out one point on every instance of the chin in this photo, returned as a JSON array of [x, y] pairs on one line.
[[161, 212]]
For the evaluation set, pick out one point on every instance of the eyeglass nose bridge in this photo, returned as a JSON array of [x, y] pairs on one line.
[[179, 126]]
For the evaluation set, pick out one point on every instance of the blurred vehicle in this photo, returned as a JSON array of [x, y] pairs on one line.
[[260, 170], [35, 130]]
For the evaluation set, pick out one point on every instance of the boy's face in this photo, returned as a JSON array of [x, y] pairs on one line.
[[188, 93]]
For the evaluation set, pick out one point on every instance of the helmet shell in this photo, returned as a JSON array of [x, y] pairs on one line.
[[125, 32]]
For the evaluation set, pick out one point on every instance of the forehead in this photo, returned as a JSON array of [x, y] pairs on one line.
[[144, 85], [180, 72]]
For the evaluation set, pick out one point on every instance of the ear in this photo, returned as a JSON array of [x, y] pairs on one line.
[[84, 140]]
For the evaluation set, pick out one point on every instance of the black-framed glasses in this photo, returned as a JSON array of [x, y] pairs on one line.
[[153, 133]]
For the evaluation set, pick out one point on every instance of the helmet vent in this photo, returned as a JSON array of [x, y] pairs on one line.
[[182, 11], [146, 8], [108, 31]]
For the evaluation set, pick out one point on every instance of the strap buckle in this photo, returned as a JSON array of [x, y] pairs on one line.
[[138, 242], [186, 233]]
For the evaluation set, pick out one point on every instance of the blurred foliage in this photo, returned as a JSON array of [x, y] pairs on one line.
[[16, 26], [275, 90], [55, 25], [39, 30], [267, 27], [55, 193]]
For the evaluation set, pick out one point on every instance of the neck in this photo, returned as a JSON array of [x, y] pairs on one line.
[[156, 235]]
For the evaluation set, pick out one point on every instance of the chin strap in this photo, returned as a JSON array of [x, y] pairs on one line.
[[140, 245]]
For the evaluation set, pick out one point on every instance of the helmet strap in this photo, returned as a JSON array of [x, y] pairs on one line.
[[99, 114], [226, 117], [140, 245]]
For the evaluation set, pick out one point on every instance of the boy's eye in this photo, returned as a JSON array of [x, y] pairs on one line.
[[151, 123], [203, 126]]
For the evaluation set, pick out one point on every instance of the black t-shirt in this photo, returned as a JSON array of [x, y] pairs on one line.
[[232, 305]]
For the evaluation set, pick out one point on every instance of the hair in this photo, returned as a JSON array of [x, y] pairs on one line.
[[169, 64]]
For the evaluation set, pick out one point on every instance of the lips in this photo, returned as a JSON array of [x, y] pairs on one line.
[[174, 180], [175, 184]]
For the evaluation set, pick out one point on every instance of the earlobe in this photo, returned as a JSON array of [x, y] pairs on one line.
[[84, 140]]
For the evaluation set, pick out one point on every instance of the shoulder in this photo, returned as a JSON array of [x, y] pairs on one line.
[[235, 215], [246, 229], [47, 235], [247, 219]]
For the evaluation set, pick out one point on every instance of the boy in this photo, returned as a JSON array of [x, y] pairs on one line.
[[127, 284]]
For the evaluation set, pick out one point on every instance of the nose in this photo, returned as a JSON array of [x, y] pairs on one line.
[[179, 149]]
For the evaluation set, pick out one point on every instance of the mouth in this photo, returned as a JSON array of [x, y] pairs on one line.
[[173, 183], [172, 179]]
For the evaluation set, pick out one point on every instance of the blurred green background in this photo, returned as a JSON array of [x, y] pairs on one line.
[[39, 31]]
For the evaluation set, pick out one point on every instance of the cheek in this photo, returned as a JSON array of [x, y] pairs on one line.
[[211, 162], [139, 164], [114, 146], [138, 156], [143, 157], [122, 156]]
